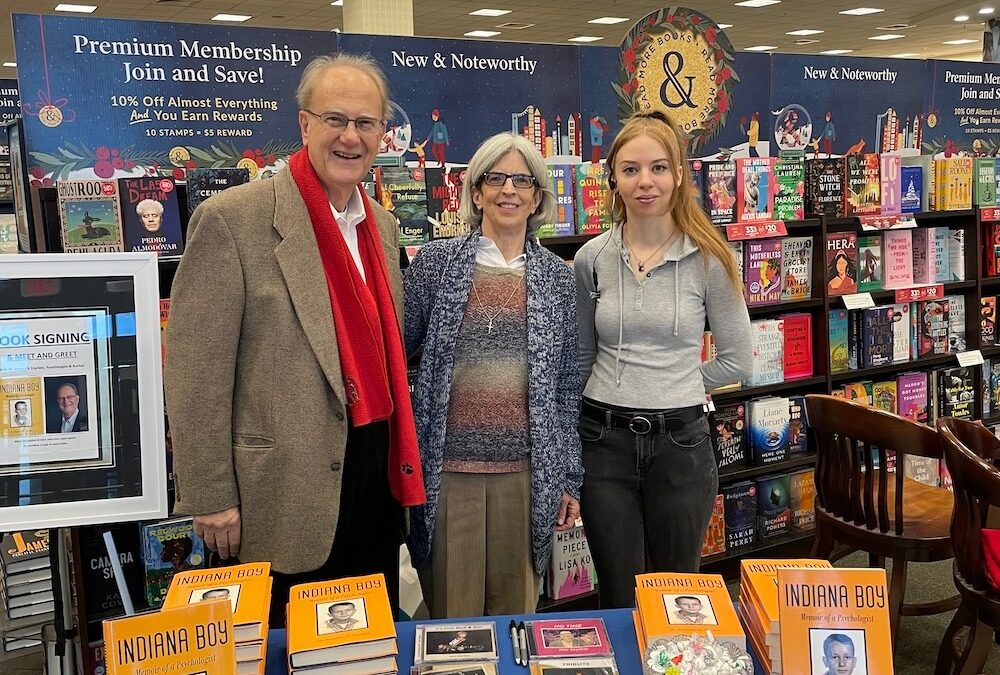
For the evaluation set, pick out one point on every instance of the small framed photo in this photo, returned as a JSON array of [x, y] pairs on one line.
[[455, 642], [341, 616], [230, 593], [689, 609], [837, 650], [471, 668]]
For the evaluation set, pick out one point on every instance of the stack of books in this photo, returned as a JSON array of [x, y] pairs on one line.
[[248, 590], [341, 627], [25, 590], [670, 605], [758, 607]]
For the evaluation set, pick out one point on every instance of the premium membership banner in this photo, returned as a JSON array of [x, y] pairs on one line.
[[117, 98]]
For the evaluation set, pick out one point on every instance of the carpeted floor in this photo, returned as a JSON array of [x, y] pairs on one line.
[[919, 636]]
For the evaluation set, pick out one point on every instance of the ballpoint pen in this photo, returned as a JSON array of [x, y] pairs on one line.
[[522, 637], [514, 643]]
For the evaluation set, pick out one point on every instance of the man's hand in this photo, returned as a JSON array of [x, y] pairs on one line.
[[569, 511], [220, 531]]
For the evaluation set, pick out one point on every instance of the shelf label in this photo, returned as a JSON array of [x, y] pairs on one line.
[[989, 214], [973, 357], [896, 221], [859, 301], [759, 229], [920, 293]]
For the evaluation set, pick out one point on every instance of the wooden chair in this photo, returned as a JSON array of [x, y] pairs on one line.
[[865, 508], [968, 449]]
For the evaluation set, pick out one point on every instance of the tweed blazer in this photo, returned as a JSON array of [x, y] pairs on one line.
[[254, 390], [436, 290]]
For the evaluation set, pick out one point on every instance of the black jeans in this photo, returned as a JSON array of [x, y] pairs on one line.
[[369, 525], [645, 496]]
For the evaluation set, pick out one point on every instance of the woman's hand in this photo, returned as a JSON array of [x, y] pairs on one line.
[[569, 511]]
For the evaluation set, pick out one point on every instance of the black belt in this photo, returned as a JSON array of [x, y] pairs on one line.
[[642, 423]]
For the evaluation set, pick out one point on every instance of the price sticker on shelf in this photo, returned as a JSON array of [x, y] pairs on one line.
[[973, 357], [859, 301], [920, 293], [990, 214], [759, 229], [896, 221]]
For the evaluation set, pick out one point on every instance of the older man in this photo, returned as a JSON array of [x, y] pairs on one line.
[[286, 383], [70, 418]]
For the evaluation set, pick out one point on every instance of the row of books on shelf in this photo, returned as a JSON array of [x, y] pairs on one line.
[[782, 349], [786, 615], [25, 591], [895, 333], [134, 214], [758, 432], [753, 511]]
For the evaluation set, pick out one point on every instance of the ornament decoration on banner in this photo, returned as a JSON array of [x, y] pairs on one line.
[[695, 655], [679, 61], [49, 112]]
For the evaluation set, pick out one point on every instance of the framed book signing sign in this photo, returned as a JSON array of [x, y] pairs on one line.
[[81, 394]]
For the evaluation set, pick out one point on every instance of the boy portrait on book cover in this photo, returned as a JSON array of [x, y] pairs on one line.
[[231, 593], [837, 652], [341, 616], [20, 413], [689, 609]]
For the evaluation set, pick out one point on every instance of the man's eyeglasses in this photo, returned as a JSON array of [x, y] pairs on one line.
[[518, 180], [364, 125], [67, 399]]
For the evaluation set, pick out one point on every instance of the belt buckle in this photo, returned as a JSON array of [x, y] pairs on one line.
[[644, 425]]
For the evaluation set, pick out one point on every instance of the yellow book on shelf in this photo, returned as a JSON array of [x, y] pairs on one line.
[[247, 587], [687, 604], [759, 577], [330, 622], [191, 639], [834, 620]]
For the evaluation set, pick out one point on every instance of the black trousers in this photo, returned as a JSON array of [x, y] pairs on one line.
[[369, 526]]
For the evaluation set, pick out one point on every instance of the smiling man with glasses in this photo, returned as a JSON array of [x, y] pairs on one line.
[[286, 382]]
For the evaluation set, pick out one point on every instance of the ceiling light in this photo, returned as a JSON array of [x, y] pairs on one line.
[[585, 38], [835, 52], [489, 12], [757, 3], [987, 10], [609, 20], [803, 43], [231, 17], [861, 11], [482, 33], [962, 41], [804, 31], [888, 36], [760, 48], [80, 9], [337, 3], [724, 26], [904, 55], [9, 64], [962, 17]]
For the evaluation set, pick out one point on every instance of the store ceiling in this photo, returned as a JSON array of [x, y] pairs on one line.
[[929, 22]]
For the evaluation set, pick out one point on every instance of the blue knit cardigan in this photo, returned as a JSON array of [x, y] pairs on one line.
[[436, 289]]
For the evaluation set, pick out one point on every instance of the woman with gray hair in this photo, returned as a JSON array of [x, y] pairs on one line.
[[497, 395]]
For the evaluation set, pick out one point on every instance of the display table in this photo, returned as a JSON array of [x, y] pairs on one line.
[[617, 621]]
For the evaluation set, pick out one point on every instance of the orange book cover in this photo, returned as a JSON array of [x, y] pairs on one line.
[[834, 621], [773, 655], [759, 578], [340, 620], [687, 604], [640, 635], [164, 315], [247, 587], [192, 639]]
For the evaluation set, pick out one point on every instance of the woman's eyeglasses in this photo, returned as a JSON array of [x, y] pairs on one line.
[[518, 180]]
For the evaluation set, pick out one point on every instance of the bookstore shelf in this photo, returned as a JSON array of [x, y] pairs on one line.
[[785, 466], [990, 282], [889, 295], [916, 364], [757, 549], [989, 351], [782, 307], [566, 240], [752, 392]]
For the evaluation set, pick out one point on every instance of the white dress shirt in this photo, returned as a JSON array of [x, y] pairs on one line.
[[488, 253], [67, 424], [348, 222]]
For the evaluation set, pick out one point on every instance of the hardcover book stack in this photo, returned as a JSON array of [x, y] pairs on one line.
[[341, 627], [26, 590], [247, 588], [758, 606], [671, 605]]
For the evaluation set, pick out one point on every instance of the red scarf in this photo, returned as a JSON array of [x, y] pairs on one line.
[[372, 359]]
